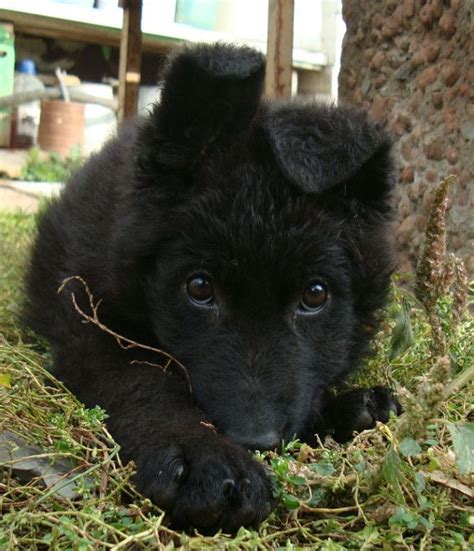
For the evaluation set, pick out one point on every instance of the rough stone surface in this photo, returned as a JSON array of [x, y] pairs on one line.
[[427, 77], [410, 63], [450, 72], [447, 24], [407, 174]]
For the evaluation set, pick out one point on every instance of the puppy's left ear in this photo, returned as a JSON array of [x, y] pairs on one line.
[[333, 149], [210, 95]]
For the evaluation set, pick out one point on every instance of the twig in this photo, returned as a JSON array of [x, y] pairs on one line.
[[123, 342], [134, 538], [329, 511]]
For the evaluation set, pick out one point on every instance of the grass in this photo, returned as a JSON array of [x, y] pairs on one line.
[[405, 485]]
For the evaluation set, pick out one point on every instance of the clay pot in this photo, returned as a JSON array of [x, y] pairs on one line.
[[61, 126]]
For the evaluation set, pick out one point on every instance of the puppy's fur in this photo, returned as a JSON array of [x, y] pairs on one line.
[[263, 199]]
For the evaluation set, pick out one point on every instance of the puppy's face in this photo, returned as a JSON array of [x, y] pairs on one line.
[[264, 225], [253, 292]]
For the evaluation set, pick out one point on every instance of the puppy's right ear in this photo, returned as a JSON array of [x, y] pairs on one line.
[[210, 95]]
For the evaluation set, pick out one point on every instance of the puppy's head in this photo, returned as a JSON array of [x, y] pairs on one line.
[[263, 226]]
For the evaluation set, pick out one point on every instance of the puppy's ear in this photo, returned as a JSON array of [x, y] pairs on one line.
[[210, 95], [333, 149]]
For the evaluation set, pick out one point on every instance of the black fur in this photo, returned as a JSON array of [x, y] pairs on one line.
[[265, 198]]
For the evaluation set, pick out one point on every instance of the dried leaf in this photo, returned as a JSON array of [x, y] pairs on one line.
[[440, 478], [24, 461]]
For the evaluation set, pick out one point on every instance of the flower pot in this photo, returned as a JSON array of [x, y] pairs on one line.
[[61, 126]]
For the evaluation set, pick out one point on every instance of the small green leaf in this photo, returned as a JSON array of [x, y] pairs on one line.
[[428, 525], [297, 480], [393, 474], [402, 334], [5, 380], [290, 502], [316, 497], [420, 483], [323, 468], [399, 517], [409, 447], [463, 445]]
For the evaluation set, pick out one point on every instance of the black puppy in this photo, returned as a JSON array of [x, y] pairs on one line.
[[245, 238]]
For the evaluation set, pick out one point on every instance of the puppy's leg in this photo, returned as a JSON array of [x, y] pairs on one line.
[[357, 410], [199, 477]]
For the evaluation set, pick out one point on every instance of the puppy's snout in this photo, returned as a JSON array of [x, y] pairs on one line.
[[260, 441]]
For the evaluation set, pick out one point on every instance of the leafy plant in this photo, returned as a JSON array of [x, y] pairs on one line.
[[53, 168]]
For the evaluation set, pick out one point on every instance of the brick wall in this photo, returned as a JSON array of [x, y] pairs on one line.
[[411, 62]]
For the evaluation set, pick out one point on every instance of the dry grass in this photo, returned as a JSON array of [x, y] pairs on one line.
[[401, 486]]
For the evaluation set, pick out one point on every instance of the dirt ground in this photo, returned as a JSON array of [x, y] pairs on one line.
[[12, 199], [22, 196]]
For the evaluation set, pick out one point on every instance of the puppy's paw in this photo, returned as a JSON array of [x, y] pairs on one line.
[[206, 483], [360, 409]]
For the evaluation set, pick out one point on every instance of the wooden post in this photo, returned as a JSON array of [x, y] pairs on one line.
[[279, 48], [130, 58]]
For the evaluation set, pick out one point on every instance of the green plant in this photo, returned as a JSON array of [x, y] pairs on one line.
[[53, 168]]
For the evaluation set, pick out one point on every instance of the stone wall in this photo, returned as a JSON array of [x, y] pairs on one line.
[[411, 62]]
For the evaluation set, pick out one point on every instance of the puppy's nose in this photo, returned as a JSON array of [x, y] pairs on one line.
[[264, 441]]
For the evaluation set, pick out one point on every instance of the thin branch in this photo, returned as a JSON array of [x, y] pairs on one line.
[[124, 342]]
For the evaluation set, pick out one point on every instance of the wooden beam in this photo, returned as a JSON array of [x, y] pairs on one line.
[[130, 58], [279, 48], [81, 31], [52, 94]]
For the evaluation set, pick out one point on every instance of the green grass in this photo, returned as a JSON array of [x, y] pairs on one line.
[[399, 486], [15, 236]]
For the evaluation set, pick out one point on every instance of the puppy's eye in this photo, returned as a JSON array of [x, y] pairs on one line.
[[314, 297], [200, 290]]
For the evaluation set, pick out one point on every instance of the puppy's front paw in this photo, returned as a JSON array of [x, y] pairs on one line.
[[360, 409], [206, 483]]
